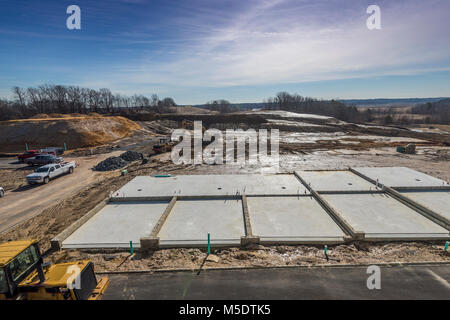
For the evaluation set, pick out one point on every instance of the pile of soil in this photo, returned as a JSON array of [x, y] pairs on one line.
[[76, 131]]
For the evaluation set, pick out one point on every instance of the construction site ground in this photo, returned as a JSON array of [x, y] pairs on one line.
[[42, 212]]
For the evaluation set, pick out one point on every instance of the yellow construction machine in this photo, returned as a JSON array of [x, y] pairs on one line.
[[189, 125], [165, 145], [23, 276]]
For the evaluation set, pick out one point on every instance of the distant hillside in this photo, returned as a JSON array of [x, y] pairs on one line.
[[382, 102], [241, 106], [406, 102]]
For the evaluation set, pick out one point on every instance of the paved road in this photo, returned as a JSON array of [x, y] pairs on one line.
[[409, 282], [26, 202]]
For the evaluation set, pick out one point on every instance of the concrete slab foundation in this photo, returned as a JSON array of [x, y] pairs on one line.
[[437, 201], [116, 225], [323, 181], [242, 210], [210, 185], [380, 217], [400, 177], [190, 221], [292, 220]]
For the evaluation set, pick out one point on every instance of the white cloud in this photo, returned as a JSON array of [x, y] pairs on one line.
[[286, 41]]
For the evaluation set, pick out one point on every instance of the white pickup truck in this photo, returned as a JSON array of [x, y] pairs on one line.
[[45, 173]]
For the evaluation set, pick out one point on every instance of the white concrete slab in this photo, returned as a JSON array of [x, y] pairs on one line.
[[190, 221], [435, 200], [381, 217], [398, 177], [211, 185], [335, 181], [116, 225], [292, 220]]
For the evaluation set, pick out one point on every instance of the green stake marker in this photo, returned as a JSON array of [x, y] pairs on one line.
[[65, 147], [131, 248], [209, 244], [446, 245]]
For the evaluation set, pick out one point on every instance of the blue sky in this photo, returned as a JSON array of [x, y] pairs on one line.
[[243, 51]]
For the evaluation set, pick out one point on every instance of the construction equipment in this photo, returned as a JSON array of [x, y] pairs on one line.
[[165, 145], [23, 276], [189, 125], [409, 149]]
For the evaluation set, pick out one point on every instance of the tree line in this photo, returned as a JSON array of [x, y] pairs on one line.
[[299, 104], [437, 112], [48, 99], [221, 106]]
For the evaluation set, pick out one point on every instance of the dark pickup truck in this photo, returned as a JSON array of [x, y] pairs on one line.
[[43, 159]]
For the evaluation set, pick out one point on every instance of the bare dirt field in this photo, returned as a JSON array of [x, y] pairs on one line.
[[48, 210]]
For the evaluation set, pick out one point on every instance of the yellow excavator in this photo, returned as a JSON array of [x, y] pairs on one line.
[[189, 125], [23, 276], [164, 145]]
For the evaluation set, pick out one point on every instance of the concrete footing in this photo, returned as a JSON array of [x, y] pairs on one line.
[[149, 243], [249, 241]]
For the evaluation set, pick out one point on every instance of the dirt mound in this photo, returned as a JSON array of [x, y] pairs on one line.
[[74, 130]]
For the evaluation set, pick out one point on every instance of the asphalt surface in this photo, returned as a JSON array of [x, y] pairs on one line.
[[397, 282]]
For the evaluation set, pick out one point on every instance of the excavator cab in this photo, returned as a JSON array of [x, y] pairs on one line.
[[165, 145], [23, 276]]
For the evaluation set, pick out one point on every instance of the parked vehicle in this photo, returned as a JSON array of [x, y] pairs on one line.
[[53, 150], [28, 154], [43, 159], [33, 153], [2, 192], [50, 171]]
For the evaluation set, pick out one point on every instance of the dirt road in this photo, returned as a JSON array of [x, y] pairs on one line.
[[25, 202]]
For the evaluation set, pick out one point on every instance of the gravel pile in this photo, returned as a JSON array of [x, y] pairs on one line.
[[112, 163], [131, 156]]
